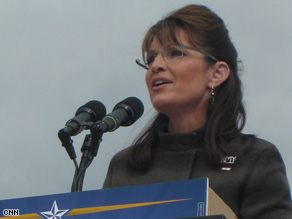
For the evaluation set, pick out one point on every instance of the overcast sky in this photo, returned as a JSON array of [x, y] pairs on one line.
[[57, 55]]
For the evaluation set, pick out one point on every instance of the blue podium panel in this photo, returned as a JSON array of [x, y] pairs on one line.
[[181, 199]]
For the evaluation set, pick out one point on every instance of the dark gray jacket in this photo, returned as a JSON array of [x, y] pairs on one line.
[[252, 180]]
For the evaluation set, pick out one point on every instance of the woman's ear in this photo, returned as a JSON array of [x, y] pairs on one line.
[[218, 74]]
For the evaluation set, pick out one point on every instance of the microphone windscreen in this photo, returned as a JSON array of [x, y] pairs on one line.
[[95, 108], [136, 106]]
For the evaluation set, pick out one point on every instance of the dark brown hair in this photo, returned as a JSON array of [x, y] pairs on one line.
[[226, 117]]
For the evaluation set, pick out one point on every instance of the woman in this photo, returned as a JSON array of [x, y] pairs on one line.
[[193, 83]]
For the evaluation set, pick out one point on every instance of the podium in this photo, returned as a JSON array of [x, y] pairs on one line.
[[180, 199]]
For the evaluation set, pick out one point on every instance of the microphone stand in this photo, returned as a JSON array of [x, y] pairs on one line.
[[89, 151], [86, 159]]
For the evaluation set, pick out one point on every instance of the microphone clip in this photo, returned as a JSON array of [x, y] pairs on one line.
[[67, 143], [96, 137]]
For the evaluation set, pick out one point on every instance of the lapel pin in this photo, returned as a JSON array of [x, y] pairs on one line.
[[230, 160]]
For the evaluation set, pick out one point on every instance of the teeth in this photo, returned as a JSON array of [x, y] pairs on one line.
[[159, 83]]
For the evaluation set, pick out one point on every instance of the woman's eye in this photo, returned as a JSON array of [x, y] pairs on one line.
[[150, 59], [174, 53]]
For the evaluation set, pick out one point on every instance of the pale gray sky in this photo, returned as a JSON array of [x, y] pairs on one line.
[[57, 55]]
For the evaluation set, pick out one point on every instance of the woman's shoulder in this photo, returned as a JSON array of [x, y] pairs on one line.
[[122, 156], [252, 145]]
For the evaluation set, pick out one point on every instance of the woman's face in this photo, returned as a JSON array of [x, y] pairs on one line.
[[185, 80]]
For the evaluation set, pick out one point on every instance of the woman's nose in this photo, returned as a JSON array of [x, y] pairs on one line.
[[158, 63]]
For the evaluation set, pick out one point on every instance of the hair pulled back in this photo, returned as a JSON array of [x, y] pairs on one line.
[[226, 117]]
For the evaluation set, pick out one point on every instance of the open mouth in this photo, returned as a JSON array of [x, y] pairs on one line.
[[158, 83]]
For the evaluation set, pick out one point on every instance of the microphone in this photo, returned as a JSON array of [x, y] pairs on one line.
[[84, 118], [125, 113], [89, 112]]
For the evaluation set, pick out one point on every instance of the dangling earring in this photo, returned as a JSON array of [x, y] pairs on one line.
[[212, 94]]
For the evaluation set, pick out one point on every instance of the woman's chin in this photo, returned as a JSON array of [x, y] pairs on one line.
[[163, 105]]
